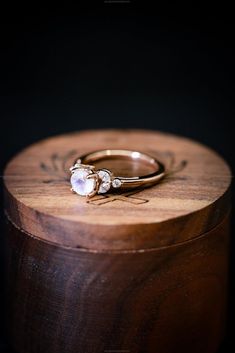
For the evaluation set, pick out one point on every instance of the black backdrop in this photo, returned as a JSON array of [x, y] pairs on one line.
[[119, 65]]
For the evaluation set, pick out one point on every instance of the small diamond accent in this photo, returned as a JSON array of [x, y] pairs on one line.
[[116, 183], [105, 177]]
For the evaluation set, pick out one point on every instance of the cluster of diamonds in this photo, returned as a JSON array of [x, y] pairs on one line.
[[86, 181]]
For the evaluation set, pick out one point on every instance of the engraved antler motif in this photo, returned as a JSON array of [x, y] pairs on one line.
[[57, 166]]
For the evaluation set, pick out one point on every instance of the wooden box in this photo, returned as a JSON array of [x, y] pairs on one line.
[[143, 271]]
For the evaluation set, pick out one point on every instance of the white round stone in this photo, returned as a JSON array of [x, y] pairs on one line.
[[116, 183], [80, 184], [106, 181]]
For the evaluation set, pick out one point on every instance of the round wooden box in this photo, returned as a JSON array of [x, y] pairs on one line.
[[138, 271]]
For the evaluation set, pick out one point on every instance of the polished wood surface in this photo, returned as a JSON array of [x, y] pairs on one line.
[[193, 199], [165, 300]]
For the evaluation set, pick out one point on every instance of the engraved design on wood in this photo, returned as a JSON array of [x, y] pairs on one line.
[[99, 200], [57, 166]]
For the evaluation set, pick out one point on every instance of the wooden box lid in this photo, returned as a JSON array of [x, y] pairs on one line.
[[192, 200]]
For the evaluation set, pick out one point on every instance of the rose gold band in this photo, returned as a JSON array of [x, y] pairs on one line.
[[139, 156]]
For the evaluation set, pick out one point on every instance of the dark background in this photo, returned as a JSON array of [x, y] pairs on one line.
[[119, 65]]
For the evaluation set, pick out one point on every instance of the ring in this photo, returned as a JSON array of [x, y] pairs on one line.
[[87, 181]]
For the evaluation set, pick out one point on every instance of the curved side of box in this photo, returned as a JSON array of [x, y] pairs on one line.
[[157, 301]]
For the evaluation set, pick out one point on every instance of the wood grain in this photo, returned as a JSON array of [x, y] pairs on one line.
[[184, 205], [164, 300]]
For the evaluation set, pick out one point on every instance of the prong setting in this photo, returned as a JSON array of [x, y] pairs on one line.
[[83, 180], [84, 175]]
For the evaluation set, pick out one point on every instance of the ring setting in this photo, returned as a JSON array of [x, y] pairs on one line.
[[88, 181]]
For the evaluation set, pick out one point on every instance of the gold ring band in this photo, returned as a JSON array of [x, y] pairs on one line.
[[88, 181]]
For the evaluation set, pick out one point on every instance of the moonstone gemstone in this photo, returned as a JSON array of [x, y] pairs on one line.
[[80, 184]]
